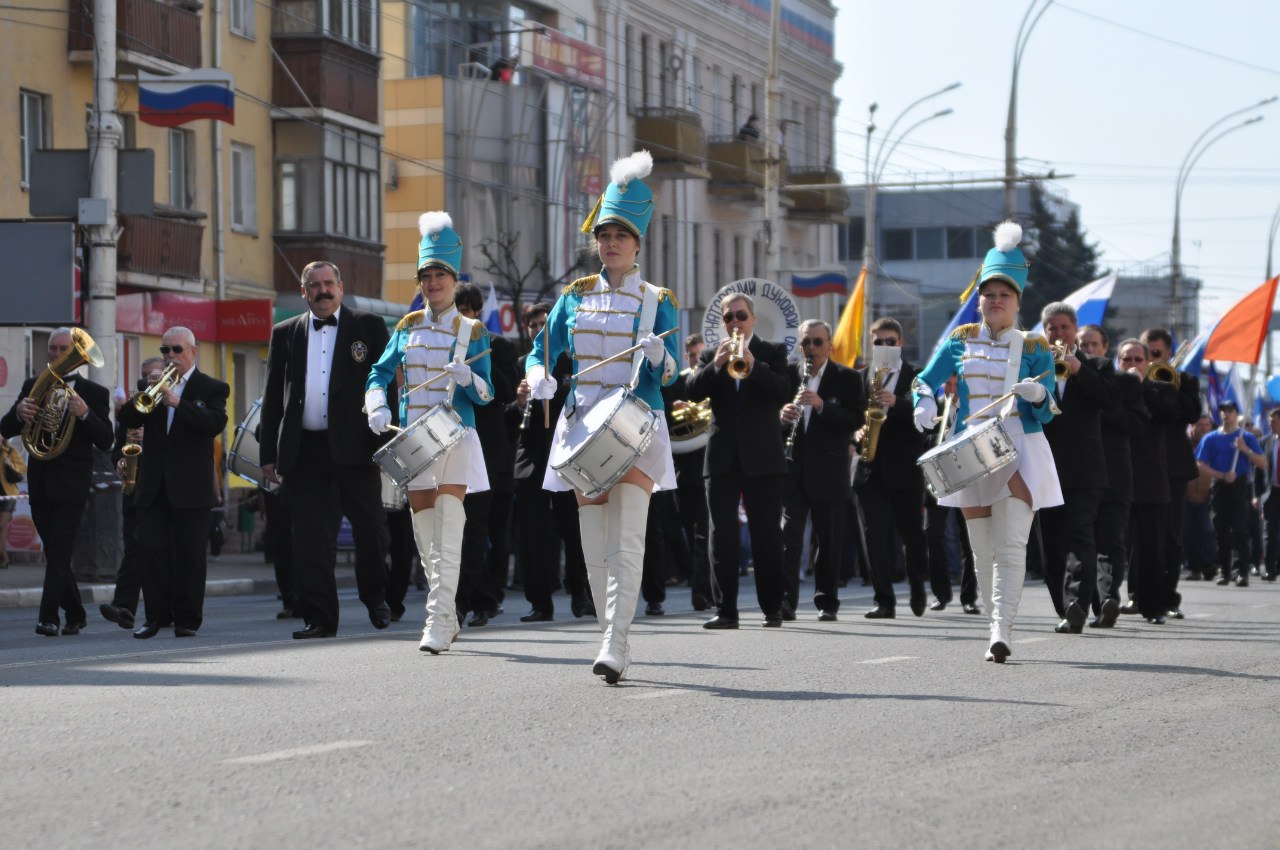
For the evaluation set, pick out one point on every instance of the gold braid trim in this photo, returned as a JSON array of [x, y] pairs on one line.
[[965, 331], [581, 286], [478, 331], [413, 318], [668, 295], [1034, 344]]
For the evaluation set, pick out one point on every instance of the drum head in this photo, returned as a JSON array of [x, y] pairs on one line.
[[244, 459]]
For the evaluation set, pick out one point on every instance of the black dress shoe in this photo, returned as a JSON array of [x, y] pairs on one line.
[[917, 605], [576, 607], [999, 651], [478, 619], [287, 614], [700, 602], [536, 616], [720, 622], [47, 629], [1095, 623], [971, 608], [788, 611], [313, 632], [149, 629], [122, 617], [1109, 614], [774, 622], [380, 615], [1224, 581], [1242, 580], [826, 616], [74, 628], [1176, 614], [654, 609], [1074, 617], [183, 631], [1156, 621], [1066, 627], [937, 605], [1129, 607], [880, 613]]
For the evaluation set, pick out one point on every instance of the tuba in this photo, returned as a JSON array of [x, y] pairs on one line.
[[130, 452], [147, 399], [737, 366], [875, 416], [48, 433]]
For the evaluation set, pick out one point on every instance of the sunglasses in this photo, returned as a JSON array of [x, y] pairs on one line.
[[884, 342], [176, 349], [740, 315], [816, 343]]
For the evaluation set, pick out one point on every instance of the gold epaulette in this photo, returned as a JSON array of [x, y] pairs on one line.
[[965, 331], [414, 318], [1034, 344], [582, 285], [478, 331], [668, 295]]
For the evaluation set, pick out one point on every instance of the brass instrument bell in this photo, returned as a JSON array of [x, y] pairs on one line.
[[737, 366], [146, 400]]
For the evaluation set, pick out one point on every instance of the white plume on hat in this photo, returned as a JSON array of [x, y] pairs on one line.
[[634, 167], [1008, 235], [433, 222]]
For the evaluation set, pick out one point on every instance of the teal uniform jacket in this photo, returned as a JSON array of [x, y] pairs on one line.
[[464, 399]]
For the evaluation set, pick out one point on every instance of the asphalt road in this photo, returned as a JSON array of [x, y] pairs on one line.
[[849, 734]]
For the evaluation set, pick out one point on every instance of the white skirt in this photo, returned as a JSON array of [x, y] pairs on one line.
[[656, 461], [1034, 463], [462, 464]]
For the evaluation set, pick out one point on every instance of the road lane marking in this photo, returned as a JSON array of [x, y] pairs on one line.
[[297, 752], [889, 659]]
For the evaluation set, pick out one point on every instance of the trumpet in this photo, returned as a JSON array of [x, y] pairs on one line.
[[130, 477], [1061, 351], [1162, 373], [146, 400], [737, 366]]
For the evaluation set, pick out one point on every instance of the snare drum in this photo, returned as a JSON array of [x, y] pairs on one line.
[[424, 442], [394, 496], [597, 449], [244, 458], [967, 457]]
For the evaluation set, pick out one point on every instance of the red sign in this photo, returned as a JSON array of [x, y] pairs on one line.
[[567, 58], [248, 320], [154, 313], [4, 372]]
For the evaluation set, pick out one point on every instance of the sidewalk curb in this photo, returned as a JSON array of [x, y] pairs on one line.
[[94, 594]]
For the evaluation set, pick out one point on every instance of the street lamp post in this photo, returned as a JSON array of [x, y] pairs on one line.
[[1271, 244], [1011, 124], [873, 172], [1197, 150]]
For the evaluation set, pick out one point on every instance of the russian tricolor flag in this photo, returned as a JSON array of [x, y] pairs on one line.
[[189, 96], [1090, 302], [827, 283]]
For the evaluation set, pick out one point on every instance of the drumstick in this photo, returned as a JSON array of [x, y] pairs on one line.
[[546, 355], [440, 375], [632, 350], [1002, 399]]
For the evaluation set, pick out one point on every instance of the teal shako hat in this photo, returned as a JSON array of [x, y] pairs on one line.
[[627, 200], [440, 245], [1004, 262]]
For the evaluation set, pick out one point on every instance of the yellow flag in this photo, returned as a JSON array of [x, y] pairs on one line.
[[847, 344]]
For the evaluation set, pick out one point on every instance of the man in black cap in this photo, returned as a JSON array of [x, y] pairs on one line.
[[1226, 454]]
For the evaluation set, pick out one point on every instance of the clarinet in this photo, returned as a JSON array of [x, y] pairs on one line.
[[528, 406], [804, 381]]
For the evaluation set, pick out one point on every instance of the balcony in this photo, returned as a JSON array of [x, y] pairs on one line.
[[737, 170], [331, 75], [827, 204], [160, 245], [360, 262], [150, 34], [674, 137]]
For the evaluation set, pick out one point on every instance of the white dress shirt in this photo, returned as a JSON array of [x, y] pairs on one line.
[[812, 386], [177, 389], [320, 344]]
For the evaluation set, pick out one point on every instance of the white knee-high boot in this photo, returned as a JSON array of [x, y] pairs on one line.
[[1011, 527], [442, 612], [593, 521], [628, 509], [979, 529]]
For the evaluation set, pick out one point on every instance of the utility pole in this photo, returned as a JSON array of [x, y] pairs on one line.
[[104, 143], [1011, 123], [772, 155]]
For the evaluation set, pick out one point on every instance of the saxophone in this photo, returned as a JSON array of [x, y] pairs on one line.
[[805, 366], [130, 451], [875, 416]]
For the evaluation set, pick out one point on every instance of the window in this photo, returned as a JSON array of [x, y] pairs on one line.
[[628, 73], [352, 175], [717, 113], [717, 260], [737, 258], [244, 188], [241, 17], [896, 244], [33, 130], [351, 20], [733, 104], [851, 237], [929, 243], [644, 70], [289, 191], [961, 243], [696, 237], [181, 156]]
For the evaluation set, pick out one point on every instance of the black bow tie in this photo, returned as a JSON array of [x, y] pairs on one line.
[[317, 324]]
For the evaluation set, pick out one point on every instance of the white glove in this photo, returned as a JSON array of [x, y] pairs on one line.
[[1030, 391], [654, 349], [541, 387], [380, 420], [925, 414], [459, 372]]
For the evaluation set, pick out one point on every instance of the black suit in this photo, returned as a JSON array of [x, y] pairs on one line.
[[176, 490], [818, 480], [1182, 469], [1152, 492], [1110, 532], [59, 489], [1075, 436], [330, 472], [691, 499], [893, 492], [745, 458], [129, 575]]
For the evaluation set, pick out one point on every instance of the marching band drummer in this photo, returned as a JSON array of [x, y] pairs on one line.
[[428, 342], [594, 318], [994, 358]]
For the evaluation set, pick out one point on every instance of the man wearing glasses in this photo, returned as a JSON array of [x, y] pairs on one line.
[[824, 414], [176, 489], [891, 488], [744, 458]]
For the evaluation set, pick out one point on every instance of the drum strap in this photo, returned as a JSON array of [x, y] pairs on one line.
[[1012, 367], [460, 346], [648, 315]]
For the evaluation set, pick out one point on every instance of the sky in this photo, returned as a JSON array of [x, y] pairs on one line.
[[1114, 93]]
